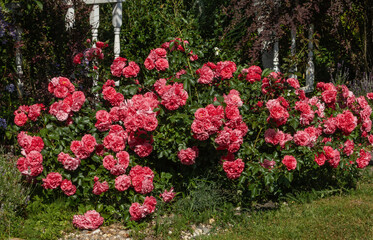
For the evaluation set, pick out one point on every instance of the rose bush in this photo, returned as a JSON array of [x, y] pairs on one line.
[[171, 118]]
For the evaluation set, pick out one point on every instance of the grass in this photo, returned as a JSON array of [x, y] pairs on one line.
[[345, 216], [330, 214]]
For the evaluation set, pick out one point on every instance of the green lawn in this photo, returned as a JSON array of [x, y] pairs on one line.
[[349, 216]]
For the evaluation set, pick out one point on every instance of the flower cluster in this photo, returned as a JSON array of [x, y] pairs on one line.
[[72, 101], [173, 96], [251, 74], [139, 212], [98, 187], [69, 163], [231, 137], [157, 58], [278, 110], [142, 179], [90, 220], [116, 139], [32, 163], [83, 148], [117, 166], [60, 87], [210, 71], [137, 113], [118, 68], [207, 121], [277, 137], [233, 169], [52, 181], [23, 113], [188, 156]]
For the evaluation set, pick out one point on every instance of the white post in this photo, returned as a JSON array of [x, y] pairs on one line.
[[117, 23], [276, 60], [310, 72], [70, 15], [94, 20], [19, 62], [293, 51]]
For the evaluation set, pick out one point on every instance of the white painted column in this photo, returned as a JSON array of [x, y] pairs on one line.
[[117, 23], [19, 62], [70, 15], [310, 72], [276, 60], [94, 20]]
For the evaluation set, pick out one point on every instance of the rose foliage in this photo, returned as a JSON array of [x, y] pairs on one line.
[[171, 118]]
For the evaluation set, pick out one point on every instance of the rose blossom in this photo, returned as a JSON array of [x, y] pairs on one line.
[[187, 156], [233, 169], [167, 196], [99, 187], [90, 220], [302, 138], [290, 162], [52, 181], [122, 183], [67, 187]]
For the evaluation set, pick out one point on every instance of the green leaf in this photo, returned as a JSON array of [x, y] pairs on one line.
[[39, 4]]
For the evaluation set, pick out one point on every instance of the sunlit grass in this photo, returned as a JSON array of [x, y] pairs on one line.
[[348, 216]]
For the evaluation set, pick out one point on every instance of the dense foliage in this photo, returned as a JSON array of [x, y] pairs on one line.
[[172, 119]]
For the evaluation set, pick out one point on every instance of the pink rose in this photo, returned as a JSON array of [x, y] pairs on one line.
[[290, 162], [52, 181], [122, 183], [233, 169]]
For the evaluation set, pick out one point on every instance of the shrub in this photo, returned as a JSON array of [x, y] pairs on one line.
[[256, 132]]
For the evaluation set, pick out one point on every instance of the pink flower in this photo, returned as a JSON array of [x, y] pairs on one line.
[[233, 169], [302, 138], [253, 74], [122, 183], [20, 119], [270, 136], [206, 75], [268, 164], [329, 152], [149, 64], [89, 142], [290, 162], [167, 196], [320, 159], [348, 147], [99, 187], [52, 181], [142, 179], [78, 58], [225, 69], [139, 212], [90, 220], [364, 159], [187, 156], [109, 162], [131, 70], [346, 121], [293, 82], [67, 187], [161, 64]]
